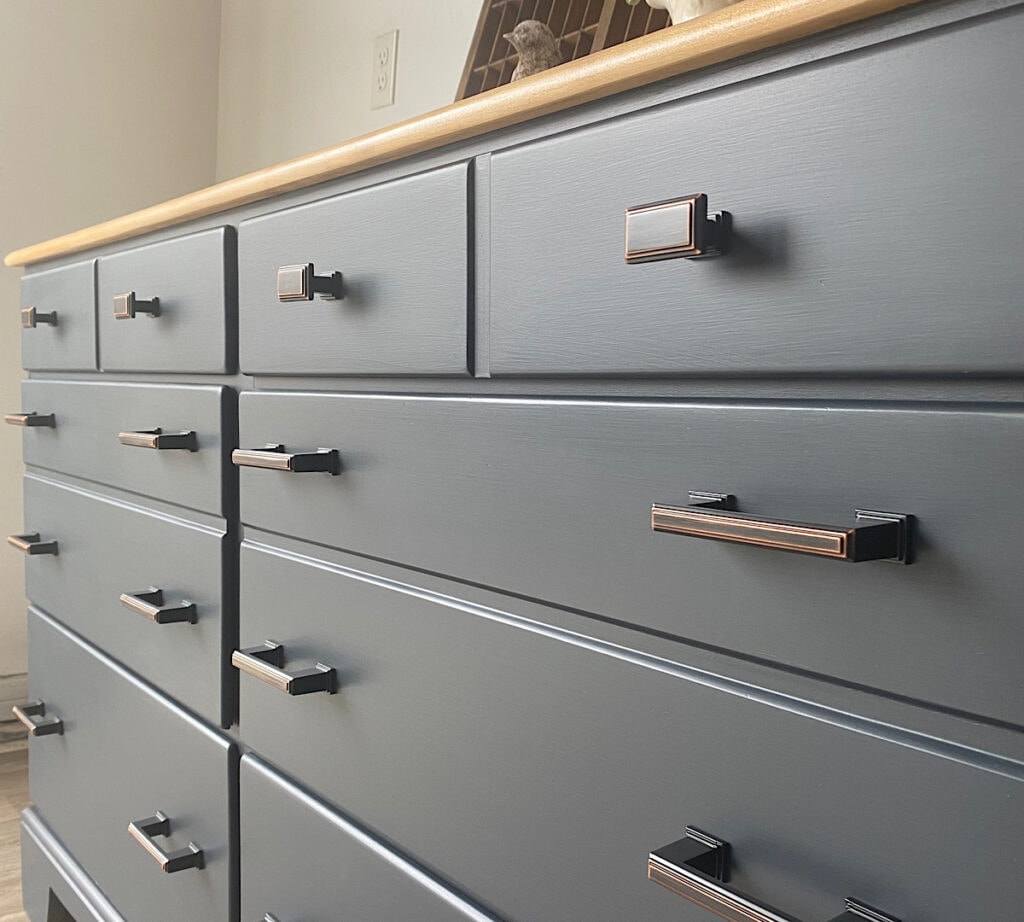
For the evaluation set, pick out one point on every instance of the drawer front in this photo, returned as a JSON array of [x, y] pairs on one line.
[[125, 754], [193, 279], [89, 417], [54, 888], [108, 549], [326, 864], [68, 340], [402, 249], [854, 208], [500, 752], [553, 500]]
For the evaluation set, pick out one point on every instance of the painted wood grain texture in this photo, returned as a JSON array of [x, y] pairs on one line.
[[403, 250], [70, 292], [737, 30], [552, 500], [540, 771], [90, 415], [167, 762], [858, 191], [194, 278]]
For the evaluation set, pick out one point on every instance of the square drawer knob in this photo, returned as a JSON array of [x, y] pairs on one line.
[[679, 228]]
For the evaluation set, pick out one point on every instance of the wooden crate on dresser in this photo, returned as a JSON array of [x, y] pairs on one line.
[[637, 508]]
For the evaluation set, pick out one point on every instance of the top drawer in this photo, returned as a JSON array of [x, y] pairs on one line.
[[193, 279], [871, 231], [401, 249], [60, 333]]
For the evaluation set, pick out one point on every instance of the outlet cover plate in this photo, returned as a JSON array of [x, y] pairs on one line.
[[385, 60]]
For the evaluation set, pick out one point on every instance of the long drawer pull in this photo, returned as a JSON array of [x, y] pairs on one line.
[[33, 717], [697, 868], [150, 604], [265, 663], [275, 458], [32, 544], [31, 318], [877, 536], [142, 831], [31, 419], [300, 283], [182, 440], [127, 306]]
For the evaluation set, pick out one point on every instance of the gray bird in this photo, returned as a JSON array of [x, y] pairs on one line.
[[537, 47]]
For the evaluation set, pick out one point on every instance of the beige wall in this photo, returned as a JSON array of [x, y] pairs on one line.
[[105, 106], [295, 74]]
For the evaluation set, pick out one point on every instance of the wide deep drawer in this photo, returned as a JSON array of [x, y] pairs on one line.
[[60, 332], [126, 754], [54, 888], [865, 191], [89, 419], [402, 250], [113, 556], [537, 767], [326, 863], [553, 500], [193, 280]]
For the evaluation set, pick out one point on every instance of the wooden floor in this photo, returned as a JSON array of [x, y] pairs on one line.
[[13, 798]]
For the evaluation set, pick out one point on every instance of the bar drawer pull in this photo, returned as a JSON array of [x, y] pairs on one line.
[[127, 306], [265, 663], [679, 228], [32, 544], [182, 440], [697, 868], [876, 536], [150, 604], [299, 283], [275, 458], [31, 318], [33, 718], [142, 831], [31, 419]]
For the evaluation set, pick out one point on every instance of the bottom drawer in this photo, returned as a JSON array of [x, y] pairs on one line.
[[54, 888], [538, 768], [126, 754], [325, 867]]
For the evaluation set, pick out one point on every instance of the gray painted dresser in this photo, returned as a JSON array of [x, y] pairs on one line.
[[498, 588]]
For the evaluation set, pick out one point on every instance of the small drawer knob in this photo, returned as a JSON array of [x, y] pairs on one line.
[[299, 283], [127, 306], [678, 228], [31, 318]]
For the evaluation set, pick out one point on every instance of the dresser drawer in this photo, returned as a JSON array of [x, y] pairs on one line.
[[125, 754], [89, 419], [54, 888], [111, 557], [402, 250], [500, 751], [193, 280], [60, 332], [871, 232], [553, 499], [326, 861]]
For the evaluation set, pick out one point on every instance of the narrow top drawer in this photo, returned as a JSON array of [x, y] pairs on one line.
[[58, 318], [872, 224], [180, 315], [402, 252]]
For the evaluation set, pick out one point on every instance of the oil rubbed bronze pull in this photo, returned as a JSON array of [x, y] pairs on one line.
[[33, 544], [265, 661], [275, 458], [127, 306], [150, 604], [182, 440], [678, 228], [142, 831], [31, 318], [696, 868], [33, 717], [31, 419], [876, 536], [299, 283]]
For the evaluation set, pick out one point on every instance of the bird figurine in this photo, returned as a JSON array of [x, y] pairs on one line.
[[681, 10], [537, 47]]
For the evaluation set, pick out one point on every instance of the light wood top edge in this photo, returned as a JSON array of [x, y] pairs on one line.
[[747, 27]]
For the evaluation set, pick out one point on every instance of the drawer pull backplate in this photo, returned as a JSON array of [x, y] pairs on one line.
[[696, 868]]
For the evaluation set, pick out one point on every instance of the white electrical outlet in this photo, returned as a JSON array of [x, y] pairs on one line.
[[385, 60]]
